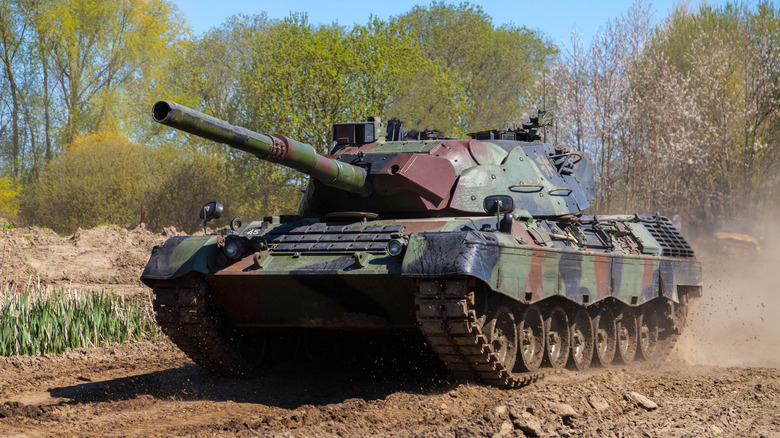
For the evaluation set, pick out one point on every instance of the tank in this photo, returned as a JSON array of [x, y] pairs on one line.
[[477, 250]]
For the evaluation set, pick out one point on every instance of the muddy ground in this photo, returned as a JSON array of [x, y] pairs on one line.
[[723, 379]]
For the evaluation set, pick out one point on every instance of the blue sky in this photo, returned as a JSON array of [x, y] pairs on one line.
[[556, 19]]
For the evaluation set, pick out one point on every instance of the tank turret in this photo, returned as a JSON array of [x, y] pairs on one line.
[[423, 175]]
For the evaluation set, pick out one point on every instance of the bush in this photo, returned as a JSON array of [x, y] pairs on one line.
[[8, 199], [183, 181], [99, 179], [107, 179]]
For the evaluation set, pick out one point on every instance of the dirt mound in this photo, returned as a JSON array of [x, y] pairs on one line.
[[106, 256], [16, 409]]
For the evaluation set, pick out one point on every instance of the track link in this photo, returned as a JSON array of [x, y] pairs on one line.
[[447, 318], [185, 314]]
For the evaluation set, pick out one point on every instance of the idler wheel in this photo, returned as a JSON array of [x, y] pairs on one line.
[[558, 345], [531, 333], [626, 337], [582, 340], [501, 333], [605, 339], [648, 332]]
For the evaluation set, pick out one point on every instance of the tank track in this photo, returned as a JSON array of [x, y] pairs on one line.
[[447, 317], [186, 316], [449, 321]]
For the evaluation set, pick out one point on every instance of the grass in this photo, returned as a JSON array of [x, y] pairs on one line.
[[40, 320]]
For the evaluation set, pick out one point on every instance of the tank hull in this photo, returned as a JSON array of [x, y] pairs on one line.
[[337, 276]]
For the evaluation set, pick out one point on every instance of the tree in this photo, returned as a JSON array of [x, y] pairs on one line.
[[723, 145], [302, 78], [293, 78], [595, 113], [72, 67], [12, 35], [684, 116], [495, 69], [570, 83], [100, 53]]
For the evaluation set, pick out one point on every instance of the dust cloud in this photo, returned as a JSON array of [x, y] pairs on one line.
[[736, 322]]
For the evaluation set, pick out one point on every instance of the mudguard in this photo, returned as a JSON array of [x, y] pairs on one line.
[[441, 254], [179, 256]]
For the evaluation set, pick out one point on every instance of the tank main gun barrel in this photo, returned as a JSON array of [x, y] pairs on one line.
[[274, 148]]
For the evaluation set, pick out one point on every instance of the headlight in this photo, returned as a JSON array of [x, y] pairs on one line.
[[232, 249], [395, 247]]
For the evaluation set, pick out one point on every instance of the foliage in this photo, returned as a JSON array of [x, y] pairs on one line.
[[38, 321], [8, 198], [494, 69], [101, 179], [105, 178], [73, 67], [181, 182], [681, 117], [727, 144], [290, 77], [683, 114], [590, 87], [300, 78]]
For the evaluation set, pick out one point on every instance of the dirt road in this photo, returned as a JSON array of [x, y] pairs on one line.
[[723, 379]]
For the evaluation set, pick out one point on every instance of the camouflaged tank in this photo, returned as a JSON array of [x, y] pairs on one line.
[[477, 245]]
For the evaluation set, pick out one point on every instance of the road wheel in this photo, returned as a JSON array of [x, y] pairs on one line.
[[582, 340], [648, 332], [605, 337], [626, 336], [531, 334], [558, 345], [501, 333]]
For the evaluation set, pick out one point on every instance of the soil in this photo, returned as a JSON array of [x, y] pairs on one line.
[[104, 257], [723, 378]]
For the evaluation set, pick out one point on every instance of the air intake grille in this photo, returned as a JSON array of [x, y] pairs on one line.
[[334, 238], [672, 243]]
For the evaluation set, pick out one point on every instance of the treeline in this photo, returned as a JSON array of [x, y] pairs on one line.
[[680, 115]]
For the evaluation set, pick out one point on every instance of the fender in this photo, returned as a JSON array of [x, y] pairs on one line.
[[179, 256], [438, 255]]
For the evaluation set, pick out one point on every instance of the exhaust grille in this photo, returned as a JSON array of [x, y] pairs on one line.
[[672, 243]]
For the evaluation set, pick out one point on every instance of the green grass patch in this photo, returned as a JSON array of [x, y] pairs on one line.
[[39, 320]]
